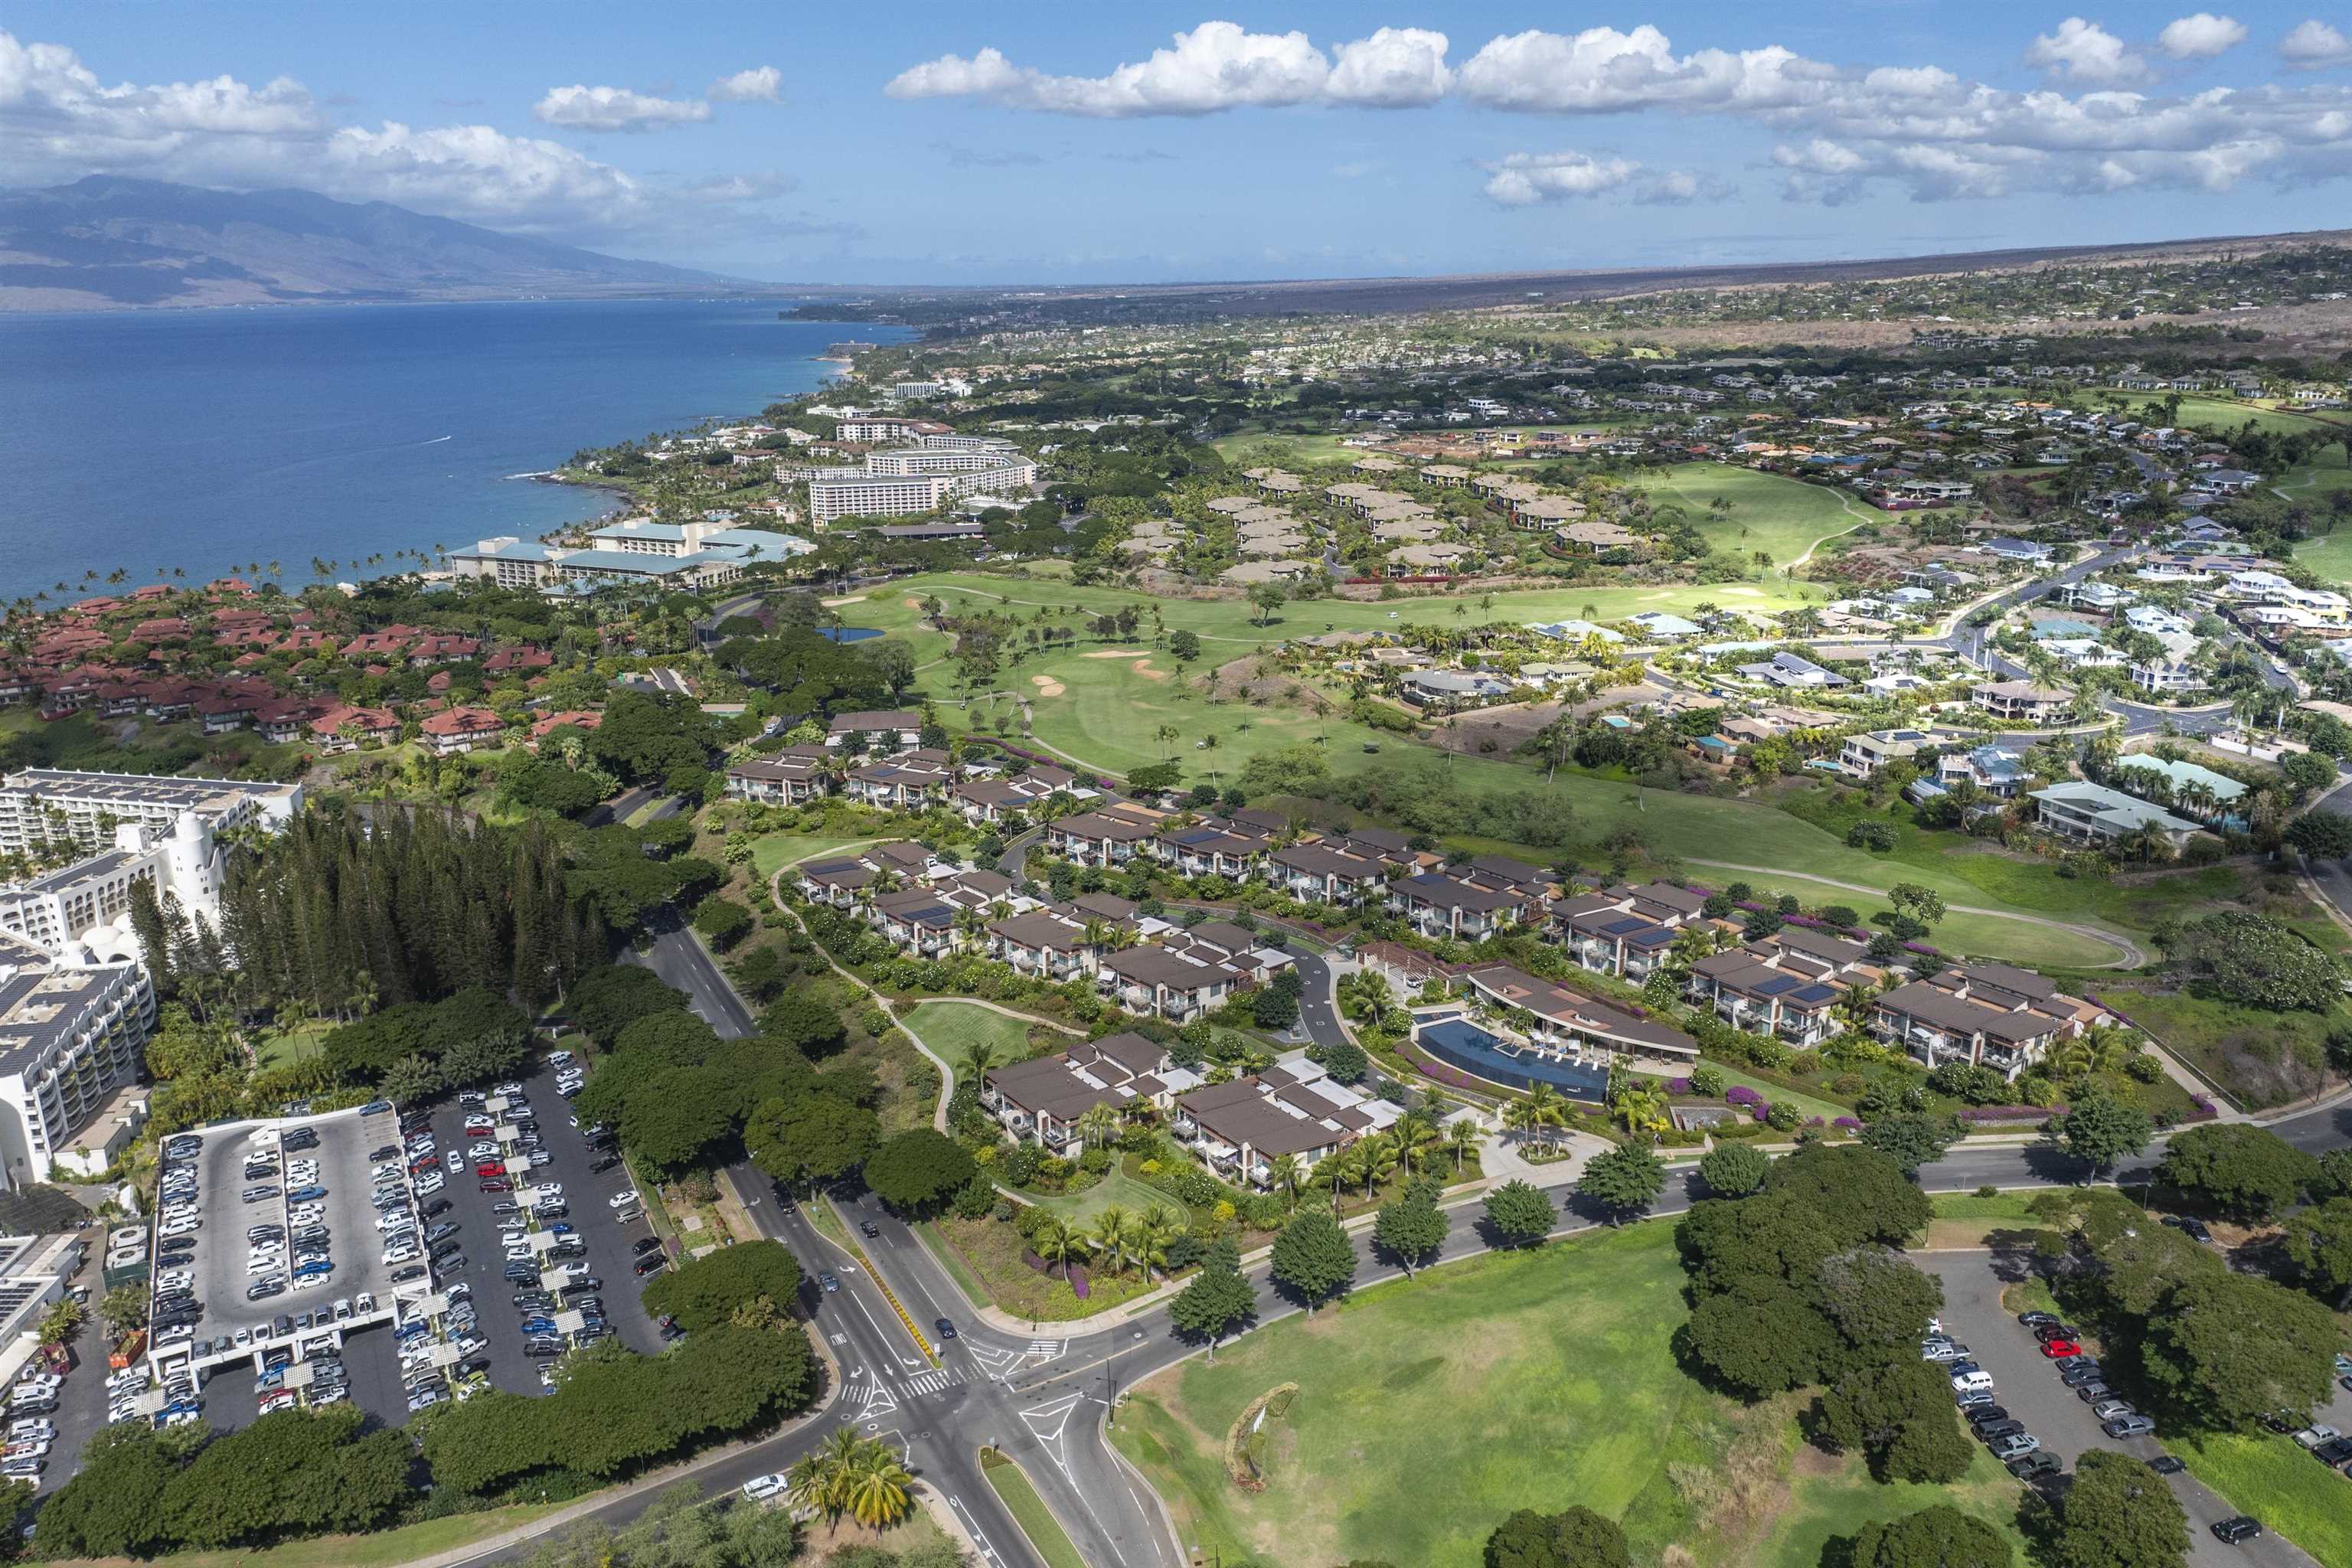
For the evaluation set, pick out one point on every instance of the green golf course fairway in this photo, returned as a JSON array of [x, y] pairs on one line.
[[1429, 1409], [1768, 511]]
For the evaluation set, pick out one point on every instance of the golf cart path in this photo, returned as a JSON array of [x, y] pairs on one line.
[[2131, 957]]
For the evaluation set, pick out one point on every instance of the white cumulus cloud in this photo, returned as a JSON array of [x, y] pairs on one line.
[[1602, 71], [2201, 36], [1396, 67], [2084, 51], [578, 107], [761, 84], [2313, 45], [1528, 179], [1216, 66]]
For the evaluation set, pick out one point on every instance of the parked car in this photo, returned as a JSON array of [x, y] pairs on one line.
[[2168, 1464], [2016, 1447], [759, 1489], [2134, 1426], [1993, 1432], [2057, 1350], [2237, 1532]]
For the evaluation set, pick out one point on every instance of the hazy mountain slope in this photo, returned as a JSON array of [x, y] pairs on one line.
[[105, 243]]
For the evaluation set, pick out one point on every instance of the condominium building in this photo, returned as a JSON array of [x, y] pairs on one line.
[[704, 552], [871, 494], [70, 1036], [167, 832], [1990, 1014]]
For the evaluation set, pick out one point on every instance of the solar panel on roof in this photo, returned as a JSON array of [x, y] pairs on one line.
[[1816, 993]]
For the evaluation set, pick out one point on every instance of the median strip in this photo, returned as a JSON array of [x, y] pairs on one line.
[[892, 1297]]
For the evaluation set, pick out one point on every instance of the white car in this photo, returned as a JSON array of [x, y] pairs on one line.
[[485, 1150], [400, 1255], [622, 1199], [760, 1489]]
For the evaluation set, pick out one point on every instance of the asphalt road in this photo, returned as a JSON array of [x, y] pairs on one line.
[[1318, 1013]]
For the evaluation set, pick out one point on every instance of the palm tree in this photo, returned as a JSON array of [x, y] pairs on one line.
[[980, 1055], [1156, 1229], [1377, 1157], [1334, 1172], [1114, 1227], [1538, 1110], [1059, 1240], [1282, 1170], [1463, 1135], [1098, 1125], [877, 1488], [1415, 1134]]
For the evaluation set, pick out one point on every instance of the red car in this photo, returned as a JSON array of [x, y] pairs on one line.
[[489, 1168], [480, 1126], [2054, 1349]]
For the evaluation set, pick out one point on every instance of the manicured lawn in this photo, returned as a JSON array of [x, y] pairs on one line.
[[1831, 1498], [1827, 1109], [2227, 416], [2329, 555], [949, 1028], [1429, 1409], [1768, 511], [1291, 451], [1029, 1510], [772, 852], [2268, 1477], [1116, 1187], [279, 1047]]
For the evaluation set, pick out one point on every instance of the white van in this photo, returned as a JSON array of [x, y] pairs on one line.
[[1976, 1382]]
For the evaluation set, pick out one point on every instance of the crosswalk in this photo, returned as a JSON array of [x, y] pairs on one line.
[[931, 1381]]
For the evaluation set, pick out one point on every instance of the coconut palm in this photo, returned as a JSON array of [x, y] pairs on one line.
[[1060, 1240], [1376, 1158], [1283, 1170], [1114, 1229], [877, 1488], [1463, 1135], [980, 1055], [1154, 1231], [1098, 1125], [1415, 1134], [1334, 1172]]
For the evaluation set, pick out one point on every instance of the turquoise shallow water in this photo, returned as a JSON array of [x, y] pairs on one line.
[[211, 439]]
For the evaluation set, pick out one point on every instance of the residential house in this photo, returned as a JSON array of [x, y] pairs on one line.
[[887, 731], [1324, 873], [1446, 690], [2022, 699], [1166, 985], [793, 776], [455, 729], [1863, 754], [1243, 1128], [1045, 1099], [1987, 1014], [903, 783], [1441, 905], [1109, 837], [1787, 984], [2093, 813]]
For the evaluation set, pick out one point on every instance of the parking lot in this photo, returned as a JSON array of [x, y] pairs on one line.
[[585, 1194], [2026, 1384], [223, 1275]]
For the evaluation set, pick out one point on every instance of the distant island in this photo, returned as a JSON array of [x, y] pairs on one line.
[[107, 243]]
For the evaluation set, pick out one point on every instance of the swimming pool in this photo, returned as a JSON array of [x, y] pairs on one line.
[[848, 634], [1459, 1043]]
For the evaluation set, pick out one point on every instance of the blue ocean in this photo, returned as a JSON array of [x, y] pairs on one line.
[[210, 440]]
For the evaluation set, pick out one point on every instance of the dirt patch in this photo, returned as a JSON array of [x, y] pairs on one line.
[[845, 599], [1142, 666], [1047, 686], [912, 603], [1116, 653]]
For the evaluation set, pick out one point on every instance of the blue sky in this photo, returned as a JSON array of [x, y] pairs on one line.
[[1051, 142]]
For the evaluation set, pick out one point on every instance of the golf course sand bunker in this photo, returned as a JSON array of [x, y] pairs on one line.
[[1047, 686], [1117, 653], [912, 604], [1142, 666], [845, 599]]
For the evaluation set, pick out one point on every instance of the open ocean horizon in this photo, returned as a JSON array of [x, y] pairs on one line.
[[208, 440]]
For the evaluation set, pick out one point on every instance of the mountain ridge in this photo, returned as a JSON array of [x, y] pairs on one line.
[[110, 243]]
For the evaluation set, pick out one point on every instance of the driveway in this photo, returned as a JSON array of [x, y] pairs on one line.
[[2025, 1383]]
